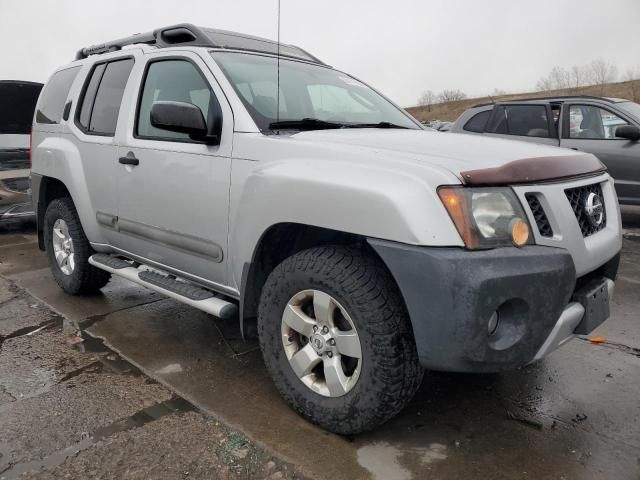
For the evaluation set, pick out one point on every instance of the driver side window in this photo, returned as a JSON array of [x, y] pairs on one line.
[[588, 122], [177, 81]]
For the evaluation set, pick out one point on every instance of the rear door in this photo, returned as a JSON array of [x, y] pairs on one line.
[[173, 204], [591, 127], [530, 122], [94, 125]]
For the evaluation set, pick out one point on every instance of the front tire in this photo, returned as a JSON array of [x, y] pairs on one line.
[[69, 250], [336, 338]]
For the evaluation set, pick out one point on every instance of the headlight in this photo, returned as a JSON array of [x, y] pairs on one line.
[[486, 217]]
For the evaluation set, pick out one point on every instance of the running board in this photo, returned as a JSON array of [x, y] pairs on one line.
[[184, 292]]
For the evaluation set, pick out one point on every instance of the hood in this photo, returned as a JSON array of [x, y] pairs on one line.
[[472, 158]]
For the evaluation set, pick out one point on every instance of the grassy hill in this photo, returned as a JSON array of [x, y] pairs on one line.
[[451, 110]]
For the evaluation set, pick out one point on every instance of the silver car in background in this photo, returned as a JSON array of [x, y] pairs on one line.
[[609, 128], [18, 100]]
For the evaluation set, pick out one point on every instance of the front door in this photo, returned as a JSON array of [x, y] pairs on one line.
[[174, 191], [591, 128]]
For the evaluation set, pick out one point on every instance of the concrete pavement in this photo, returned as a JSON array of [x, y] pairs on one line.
[[574, 415]]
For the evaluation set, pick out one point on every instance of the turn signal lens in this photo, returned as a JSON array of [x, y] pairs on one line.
[[455, 201], [519, 232]]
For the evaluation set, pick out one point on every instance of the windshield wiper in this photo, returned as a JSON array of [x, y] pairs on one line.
[[374, 125], [305, 124]]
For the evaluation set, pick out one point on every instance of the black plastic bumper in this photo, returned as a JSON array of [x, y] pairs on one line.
[[451, 294]]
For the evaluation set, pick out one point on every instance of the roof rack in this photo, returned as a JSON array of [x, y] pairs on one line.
[[186, 34]]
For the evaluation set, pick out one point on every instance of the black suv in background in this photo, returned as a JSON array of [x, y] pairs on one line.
[[607, 127], [18, 100]]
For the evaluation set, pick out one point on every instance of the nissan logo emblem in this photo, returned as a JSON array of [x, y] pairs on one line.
[[594, 208]]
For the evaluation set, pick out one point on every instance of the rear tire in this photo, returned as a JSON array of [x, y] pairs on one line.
[[69, 250], [374, 387]]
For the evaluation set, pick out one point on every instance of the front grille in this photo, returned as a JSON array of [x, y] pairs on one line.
[[544, 227], [578, 198]]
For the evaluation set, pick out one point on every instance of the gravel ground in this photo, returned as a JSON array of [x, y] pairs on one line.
[[81, 411]]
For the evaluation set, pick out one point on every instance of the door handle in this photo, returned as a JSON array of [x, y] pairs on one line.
[[130, 159], [576, 149]]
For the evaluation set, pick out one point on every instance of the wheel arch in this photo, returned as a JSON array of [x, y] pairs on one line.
[[276, 244], [48, 189]]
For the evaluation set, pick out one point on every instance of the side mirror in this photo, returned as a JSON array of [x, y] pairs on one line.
[[182, 117], [630, 132]]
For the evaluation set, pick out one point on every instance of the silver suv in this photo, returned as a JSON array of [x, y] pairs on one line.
[[359, 247]]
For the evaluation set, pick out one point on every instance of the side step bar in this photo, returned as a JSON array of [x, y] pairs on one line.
[[184, 292]]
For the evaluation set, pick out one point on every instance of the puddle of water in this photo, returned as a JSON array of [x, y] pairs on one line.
[[171, 368], [434, 453], [384, 461]]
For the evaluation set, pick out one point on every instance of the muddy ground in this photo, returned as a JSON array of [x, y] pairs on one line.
[[156, 389]]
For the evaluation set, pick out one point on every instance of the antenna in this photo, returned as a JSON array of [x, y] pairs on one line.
[[278, 63]]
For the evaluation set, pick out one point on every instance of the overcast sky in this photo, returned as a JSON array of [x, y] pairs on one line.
[[401, 47]]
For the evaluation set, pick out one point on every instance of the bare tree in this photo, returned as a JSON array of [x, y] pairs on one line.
[[560, 78], [427, 99], [633, 77], [498, 92], [451, 95], [544, 84], [579, 77], [598, 72], [602, 72]]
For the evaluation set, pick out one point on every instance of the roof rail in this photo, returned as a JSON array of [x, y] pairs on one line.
[[186, 34], [550, 98]]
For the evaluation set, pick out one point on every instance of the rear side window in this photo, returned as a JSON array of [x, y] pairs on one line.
[[522, 120], [98, 114], [55, 95], [477, 122]]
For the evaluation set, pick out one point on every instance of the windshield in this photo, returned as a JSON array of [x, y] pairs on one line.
[[307, 92], [632, 108]]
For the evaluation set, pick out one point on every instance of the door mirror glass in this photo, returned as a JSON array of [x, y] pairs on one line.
[[630, 132], [180, 117]]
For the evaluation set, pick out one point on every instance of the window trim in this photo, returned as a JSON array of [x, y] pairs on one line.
[[83, 92], [553, 133], [566, 126], [141, 86]]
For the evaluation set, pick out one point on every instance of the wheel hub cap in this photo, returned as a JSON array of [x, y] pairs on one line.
[[321, 343], [63, 247], [317, 342]]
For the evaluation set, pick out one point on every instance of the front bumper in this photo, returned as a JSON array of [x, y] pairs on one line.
[[451, 294]]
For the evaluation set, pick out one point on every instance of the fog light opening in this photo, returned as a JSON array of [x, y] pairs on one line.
[[492, 326]]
